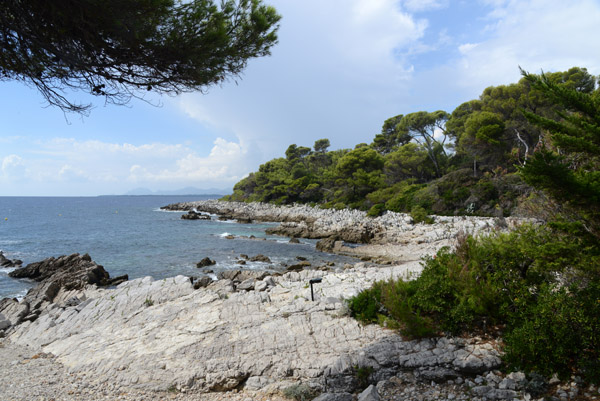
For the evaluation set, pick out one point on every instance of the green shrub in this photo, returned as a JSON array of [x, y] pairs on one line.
[[507, 281], [300, 392], [419, 215], [339, 206], [376, 210], [363, 376], [366, 305], [562, 332]]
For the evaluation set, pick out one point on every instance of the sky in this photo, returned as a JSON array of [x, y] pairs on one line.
[[341, 68]]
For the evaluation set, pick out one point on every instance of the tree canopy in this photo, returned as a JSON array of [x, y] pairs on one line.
[[119, 49]]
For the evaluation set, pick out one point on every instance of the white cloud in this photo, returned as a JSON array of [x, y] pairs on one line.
[[103, 167], [537, 34], [336, 73], [224, 166], [13, 167], [466, 48]]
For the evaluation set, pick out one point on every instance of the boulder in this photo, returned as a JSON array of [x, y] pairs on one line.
[[228, 274], [369, 394], [299, 266], [65, 273], [294, 240], [5, 262], [202, 282], [260, 258], [246, 285], [72, 272], [193, 215], [206, 262]]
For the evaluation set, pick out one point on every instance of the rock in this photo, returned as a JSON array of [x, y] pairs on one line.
[[260, 286], [65, 273], [294, 240], [192, 215], [301, 258], [326, 244], [298, 267], [244, 220], [260, 258], [270, 281], [202, 282], [481, 391], [230, 237], [206, 262], [501, 394], [438, 375], [228, 274], [4, 322], [369, 394], [5, 262], [334, 397], [246, 285]]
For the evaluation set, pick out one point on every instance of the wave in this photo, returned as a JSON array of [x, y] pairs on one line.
[[10, 241]]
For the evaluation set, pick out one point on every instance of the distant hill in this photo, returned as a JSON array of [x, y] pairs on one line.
[[182, 191]]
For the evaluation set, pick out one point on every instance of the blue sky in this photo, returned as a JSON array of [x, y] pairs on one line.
[[340, 69]]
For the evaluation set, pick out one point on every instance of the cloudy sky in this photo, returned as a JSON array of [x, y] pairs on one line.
[[340, 69]]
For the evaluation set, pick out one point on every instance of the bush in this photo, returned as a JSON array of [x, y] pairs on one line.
[[562, 332], [300, 392], [376, 210], [419, 215], [506, 281], [365, 306]]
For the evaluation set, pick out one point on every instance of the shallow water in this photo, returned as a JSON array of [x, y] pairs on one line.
[[131, 235]]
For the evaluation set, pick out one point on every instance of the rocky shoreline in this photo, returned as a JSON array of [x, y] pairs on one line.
[[247, 335], [392, 237]]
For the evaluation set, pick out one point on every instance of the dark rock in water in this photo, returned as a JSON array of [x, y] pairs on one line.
[[294, 240], [244, 256], [244, 220], [326, 244], [73, 272], [302, 258], [206, 262], [229, 237], [202, 282], [260, 258], [5, 262], [298, 267], [192, 215], [241, 262]]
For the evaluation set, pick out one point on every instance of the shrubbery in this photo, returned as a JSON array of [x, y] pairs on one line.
[[528, 285]]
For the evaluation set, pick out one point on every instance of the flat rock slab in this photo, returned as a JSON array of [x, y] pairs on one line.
[[158, 334], [162, 334]]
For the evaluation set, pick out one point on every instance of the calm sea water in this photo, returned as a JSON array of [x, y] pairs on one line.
[[131, 235]]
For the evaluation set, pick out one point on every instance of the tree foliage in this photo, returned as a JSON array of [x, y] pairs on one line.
[[117, 49], [568, 168], [465, 162]]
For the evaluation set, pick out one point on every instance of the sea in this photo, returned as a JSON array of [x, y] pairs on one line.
[[132, 235]]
